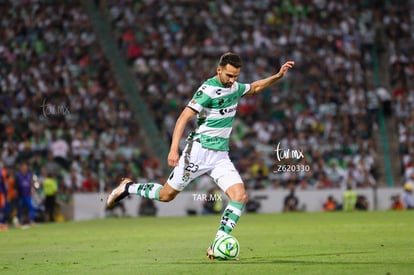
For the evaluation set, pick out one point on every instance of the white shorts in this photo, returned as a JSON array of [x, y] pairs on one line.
[[196, 161]]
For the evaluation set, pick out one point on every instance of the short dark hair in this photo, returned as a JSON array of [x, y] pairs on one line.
[[232, 59]]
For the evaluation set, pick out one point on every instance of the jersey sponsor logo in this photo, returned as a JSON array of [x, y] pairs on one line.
[[210, 140], [227, 110]]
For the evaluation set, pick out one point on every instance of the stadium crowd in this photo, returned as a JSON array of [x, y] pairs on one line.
[[399, 25], [327, 107], [62, 112]]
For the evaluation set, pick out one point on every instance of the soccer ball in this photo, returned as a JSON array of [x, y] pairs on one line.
[[226, 247]]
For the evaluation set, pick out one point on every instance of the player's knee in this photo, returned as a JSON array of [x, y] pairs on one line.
[[244, 198], [167, 196], [240, 197]]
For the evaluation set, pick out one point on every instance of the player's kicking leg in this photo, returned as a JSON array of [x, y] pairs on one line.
[[119, 192], [152, 191]]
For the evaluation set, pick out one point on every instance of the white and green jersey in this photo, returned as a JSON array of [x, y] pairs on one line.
[[216, 107]]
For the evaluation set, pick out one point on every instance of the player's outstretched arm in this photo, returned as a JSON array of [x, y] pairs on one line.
[[260, 85]]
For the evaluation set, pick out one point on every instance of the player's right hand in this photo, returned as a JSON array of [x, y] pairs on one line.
[[173, 158]]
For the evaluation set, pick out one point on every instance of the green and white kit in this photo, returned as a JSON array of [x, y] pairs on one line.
[[207, 149]]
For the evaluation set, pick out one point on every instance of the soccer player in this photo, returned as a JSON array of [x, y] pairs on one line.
[[206, 152], [24, 184]]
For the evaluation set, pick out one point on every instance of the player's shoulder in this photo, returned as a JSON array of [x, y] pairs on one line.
[[213, 88], [210, 86]]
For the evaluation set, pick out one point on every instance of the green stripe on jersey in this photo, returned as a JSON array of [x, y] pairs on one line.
[[202, 98], [224, 101], [215, 143], [220, 122], [241, 89]]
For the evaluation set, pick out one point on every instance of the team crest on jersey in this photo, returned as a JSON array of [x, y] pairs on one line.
[[186, 176], [199, 94]]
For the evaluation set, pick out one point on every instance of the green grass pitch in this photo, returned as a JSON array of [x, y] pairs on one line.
[[290, 243]]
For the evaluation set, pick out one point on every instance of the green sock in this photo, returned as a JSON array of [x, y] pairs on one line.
[[146, 190], [230, 217]]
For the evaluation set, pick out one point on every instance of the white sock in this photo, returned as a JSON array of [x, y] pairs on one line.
[[133, 188]]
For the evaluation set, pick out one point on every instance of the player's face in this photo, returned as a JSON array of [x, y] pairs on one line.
[[227, 75]]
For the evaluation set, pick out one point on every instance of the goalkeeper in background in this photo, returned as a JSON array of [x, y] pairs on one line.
[[206, 152]]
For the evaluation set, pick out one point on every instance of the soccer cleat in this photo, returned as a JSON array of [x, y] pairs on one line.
[[209, 253], [119, 193]]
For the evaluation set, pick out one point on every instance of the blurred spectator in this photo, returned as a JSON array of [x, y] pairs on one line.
[[330, 204], [335, 172], [147, 208], [323, 181], [12, 205], [349, 199], [50, 188], [259, 172], [361, 203], [60, 150], [64, 202], [252, 205], [291, 201], [396, 202], [50, 164], [213, 203], [386, 100], [407, 196], [89, 183], [3, 203]]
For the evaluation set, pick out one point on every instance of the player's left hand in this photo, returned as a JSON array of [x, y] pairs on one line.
[[285, 67]]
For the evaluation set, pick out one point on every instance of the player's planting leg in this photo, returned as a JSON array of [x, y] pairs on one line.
[[231, 213], [230, 217]]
